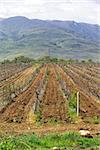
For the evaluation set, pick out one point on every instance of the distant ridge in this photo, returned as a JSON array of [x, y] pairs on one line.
[[1, 19], [33, 37]]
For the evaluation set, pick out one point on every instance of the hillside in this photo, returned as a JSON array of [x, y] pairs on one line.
[[1, 19], [34, 38]]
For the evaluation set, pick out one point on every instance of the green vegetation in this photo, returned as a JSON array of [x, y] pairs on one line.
[[93, 120], [36, 38], [47, 59], [68, 140], [37, 70], [96, 120], [18, 60], [47, 72], [22, 59], [72, 107], [38, 117], [58, 77]]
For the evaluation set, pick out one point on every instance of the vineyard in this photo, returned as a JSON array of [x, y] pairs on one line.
[[47, 92]]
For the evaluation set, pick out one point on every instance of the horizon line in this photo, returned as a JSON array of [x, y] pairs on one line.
[[62, 20]]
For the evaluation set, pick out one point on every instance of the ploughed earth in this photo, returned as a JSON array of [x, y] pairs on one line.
[[43, 98]]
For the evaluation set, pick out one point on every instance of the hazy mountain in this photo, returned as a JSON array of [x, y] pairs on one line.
[[68, 39], [1, 19]]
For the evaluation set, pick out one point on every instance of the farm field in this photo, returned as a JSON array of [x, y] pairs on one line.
[[42, 98], [8, 70]]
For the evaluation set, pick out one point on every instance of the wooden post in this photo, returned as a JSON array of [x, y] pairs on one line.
[[3, 89], [77, 104]]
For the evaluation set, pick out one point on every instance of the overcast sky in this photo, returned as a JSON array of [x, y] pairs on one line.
[[77, 10]]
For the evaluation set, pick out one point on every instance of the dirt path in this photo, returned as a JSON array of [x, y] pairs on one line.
[[54, 106], [26, 128]]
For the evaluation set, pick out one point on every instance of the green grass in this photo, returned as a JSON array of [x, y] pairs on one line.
[[93, 120], [72, 107], [69, 140]]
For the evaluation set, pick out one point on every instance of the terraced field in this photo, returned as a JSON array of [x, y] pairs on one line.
[[11, 69], [89, 103], [43, 93], [15, 85], [54, 105]]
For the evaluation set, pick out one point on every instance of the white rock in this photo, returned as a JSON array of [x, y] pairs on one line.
[[56, 148], [13, 95], [28, 128], [84, 132]]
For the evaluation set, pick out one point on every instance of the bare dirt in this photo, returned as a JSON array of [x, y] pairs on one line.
[[45, 96]]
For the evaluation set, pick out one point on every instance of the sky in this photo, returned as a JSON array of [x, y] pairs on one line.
[[78, 10]]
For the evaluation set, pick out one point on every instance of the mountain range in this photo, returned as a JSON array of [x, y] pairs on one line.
[[37, 38]]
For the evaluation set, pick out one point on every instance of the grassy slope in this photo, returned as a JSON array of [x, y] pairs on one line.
[[68, 140], [36, 42]]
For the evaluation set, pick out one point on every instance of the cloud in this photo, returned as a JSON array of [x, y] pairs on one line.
[[78, 10]]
